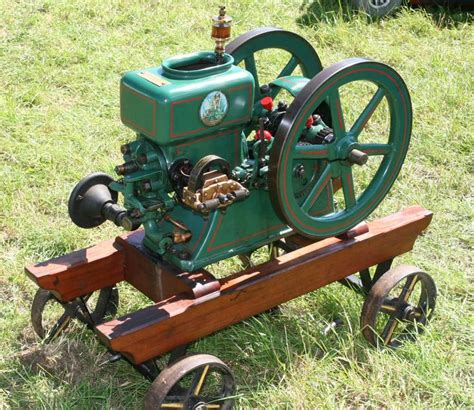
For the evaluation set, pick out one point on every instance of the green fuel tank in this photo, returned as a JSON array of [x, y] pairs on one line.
[[186, 97]]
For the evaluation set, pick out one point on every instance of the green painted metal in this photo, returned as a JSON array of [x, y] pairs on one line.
[[297, 210], [217, 235], [301, 53], [190, 107], [169, 112], [242, 228], [293, 84]]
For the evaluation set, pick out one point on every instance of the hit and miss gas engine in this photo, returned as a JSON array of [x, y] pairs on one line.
[[220, 165]]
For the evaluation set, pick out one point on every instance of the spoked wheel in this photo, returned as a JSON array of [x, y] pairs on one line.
[[301, 53], [274, 251], [398, 306], [50, 316], [246, 260], [377, 8], [371, 110], [199, 381], [279, 248]]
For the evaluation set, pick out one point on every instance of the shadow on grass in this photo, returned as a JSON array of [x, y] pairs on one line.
[[450, 17], [264, 347], [325, 11], [443, 14]]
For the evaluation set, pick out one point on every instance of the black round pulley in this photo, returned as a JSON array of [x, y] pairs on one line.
[[88, 198]]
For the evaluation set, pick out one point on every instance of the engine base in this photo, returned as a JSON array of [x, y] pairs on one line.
[[184, 299]]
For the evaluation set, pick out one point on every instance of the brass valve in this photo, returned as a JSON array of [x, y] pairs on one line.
[[221, 25]]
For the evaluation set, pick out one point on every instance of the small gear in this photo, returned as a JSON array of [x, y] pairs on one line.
[[325, 136]]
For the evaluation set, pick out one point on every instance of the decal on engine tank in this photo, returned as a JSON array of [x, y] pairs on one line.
[[213, 108]]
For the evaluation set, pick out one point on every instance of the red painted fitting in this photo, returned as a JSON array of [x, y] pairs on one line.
[[267, 103], [309, 121], [267, 135]]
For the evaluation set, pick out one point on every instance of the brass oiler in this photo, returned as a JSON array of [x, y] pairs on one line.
[[182, 234], [221, 25]]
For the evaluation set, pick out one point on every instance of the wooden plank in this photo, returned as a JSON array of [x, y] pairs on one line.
[[300, 241], [80, 272], [159, 280], [113, 261], [156, 281], [158, 329]]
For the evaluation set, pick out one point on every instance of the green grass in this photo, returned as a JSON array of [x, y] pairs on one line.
[[60, 65]]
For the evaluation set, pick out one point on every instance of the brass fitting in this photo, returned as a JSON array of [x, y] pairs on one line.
[[182, 234], [180, 237], [221, 25]]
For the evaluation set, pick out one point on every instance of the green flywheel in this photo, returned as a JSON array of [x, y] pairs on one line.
[[358, 167], [246, 47]]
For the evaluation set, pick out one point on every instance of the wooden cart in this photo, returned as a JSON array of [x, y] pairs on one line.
[[188, 306]]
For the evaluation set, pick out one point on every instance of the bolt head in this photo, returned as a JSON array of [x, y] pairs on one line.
[[298, 172]]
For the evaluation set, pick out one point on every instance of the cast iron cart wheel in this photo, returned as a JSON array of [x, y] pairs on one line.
[[246, 260], [378, 149], [398, 306], [377, 8], [50, 316], [198, 381], [245, 47]]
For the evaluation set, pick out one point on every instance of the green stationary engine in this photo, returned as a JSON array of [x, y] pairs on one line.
[[220, 166]]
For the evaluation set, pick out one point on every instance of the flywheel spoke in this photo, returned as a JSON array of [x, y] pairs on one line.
[[348, 187], [289, 67], [252, 68], [375, 149], [365, 116], [330, 199], [316, 190], [287, 70], [336, 114], [313, 151]]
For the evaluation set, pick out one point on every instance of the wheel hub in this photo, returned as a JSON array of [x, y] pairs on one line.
[[379, 3], [347, 150], [343, 147], [409, 313]]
